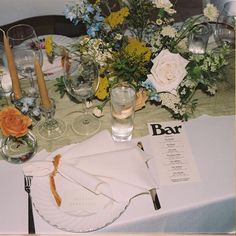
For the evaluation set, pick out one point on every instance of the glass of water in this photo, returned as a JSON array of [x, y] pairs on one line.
[[122, 111], [225, 26]]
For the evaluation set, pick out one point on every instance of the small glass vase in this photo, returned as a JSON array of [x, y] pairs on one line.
[[18, 150]]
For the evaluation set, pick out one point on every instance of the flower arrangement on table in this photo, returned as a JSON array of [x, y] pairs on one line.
[[136, 41], [18, 144]]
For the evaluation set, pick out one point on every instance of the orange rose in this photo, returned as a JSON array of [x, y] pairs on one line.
[[13, 122]]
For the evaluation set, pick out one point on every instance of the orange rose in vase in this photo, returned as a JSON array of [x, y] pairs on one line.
[[13, 122]]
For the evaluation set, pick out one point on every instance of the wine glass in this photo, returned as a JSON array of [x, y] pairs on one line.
[[225, 25], [24, 60], [81, 81], [23, 37]]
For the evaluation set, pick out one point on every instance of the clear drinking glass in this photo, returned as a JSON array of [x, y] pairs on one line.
[[225, 26], [81, 79], [23, 37], [122, 111]]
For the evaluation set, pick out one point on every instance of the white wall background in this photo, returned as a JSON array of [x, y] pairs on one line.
[[14, 10]]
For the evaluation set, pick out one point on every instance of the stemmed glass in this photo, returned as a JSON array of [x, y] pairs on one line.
[[22, 37], [81, 81], [24, 59], [225, 25]]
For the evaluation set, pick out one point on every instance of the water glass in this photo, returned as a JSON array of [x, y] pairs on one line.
[[198, 39], [225, 27], [122, 111]]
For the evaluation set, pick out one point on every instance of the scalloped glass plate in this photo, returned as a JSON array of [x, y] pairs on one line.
[[81, 210]]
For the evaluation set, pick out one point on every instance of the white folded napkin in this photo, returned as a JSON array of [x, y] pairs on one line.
[[99, 143], [119, 174]]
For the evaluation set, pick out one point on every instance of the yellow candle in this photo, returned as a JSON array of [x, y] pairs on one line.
[[12, 69], [43, 92]]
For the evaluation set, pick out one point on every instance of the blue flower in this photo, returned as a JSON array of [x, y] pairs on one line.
[[98, 17], [148, 85], [153, 95], [90, 8], [92, 31], [86, 19]]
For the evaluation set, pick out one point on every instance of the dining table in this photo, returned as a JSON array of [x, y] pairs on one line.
[[203, 206]]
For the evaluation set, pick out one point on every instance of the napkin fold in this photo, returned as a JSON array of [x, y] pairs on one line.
[[116, 171], [119, 175]]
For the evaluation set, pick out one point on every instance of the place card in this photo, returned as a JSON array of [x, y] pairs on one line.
[[172, 153]]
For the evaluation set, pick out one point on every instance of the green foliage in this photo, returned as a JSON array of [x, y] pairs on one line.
[[129, 68], [60, 86], [141, 17]]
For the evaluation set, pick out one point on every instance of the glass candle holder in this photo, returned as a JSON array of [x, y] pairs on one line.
[[50, 128]]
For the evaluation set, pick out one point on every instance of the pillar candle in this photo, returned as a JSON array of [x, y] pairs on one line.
[[43, 92], [12, 69]]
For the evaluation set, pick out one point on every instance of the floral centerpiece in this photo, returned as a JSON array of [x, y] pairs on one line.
[[136, 41]]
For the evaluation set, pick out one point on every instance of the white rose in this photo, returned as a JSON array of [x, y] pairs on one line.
[[168, 71]]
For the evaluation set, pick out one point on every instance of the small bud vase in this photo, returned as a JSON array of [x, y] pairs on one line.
[[18, 150]]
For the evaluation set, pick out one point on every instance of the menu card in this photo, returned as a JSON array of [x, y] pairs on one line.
[[172, 153]]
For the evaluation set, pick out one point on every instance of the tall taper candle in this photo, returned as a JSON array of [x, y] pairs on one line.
[[12, 69], [43, 92]]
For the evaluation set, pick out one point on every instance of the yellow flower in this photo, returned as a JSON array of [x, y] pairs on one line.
[[135, 47], [49, 45], [101, 92], [117, 18]]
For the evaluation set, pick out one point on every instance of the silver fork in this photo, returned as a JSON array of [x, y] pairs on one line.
[[31, 227]]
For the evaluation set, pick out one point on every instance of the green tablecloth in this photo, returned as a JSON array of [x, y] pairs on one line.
[[223, 103]]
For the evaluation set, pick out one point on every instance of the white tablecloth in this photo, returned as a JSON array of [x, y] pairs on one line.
[[205, 206]]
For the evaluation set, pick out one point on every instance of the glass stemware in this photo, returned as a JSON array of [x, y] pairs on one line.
[[225, 25], [24, 59], [23, 37], [81, 80]]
